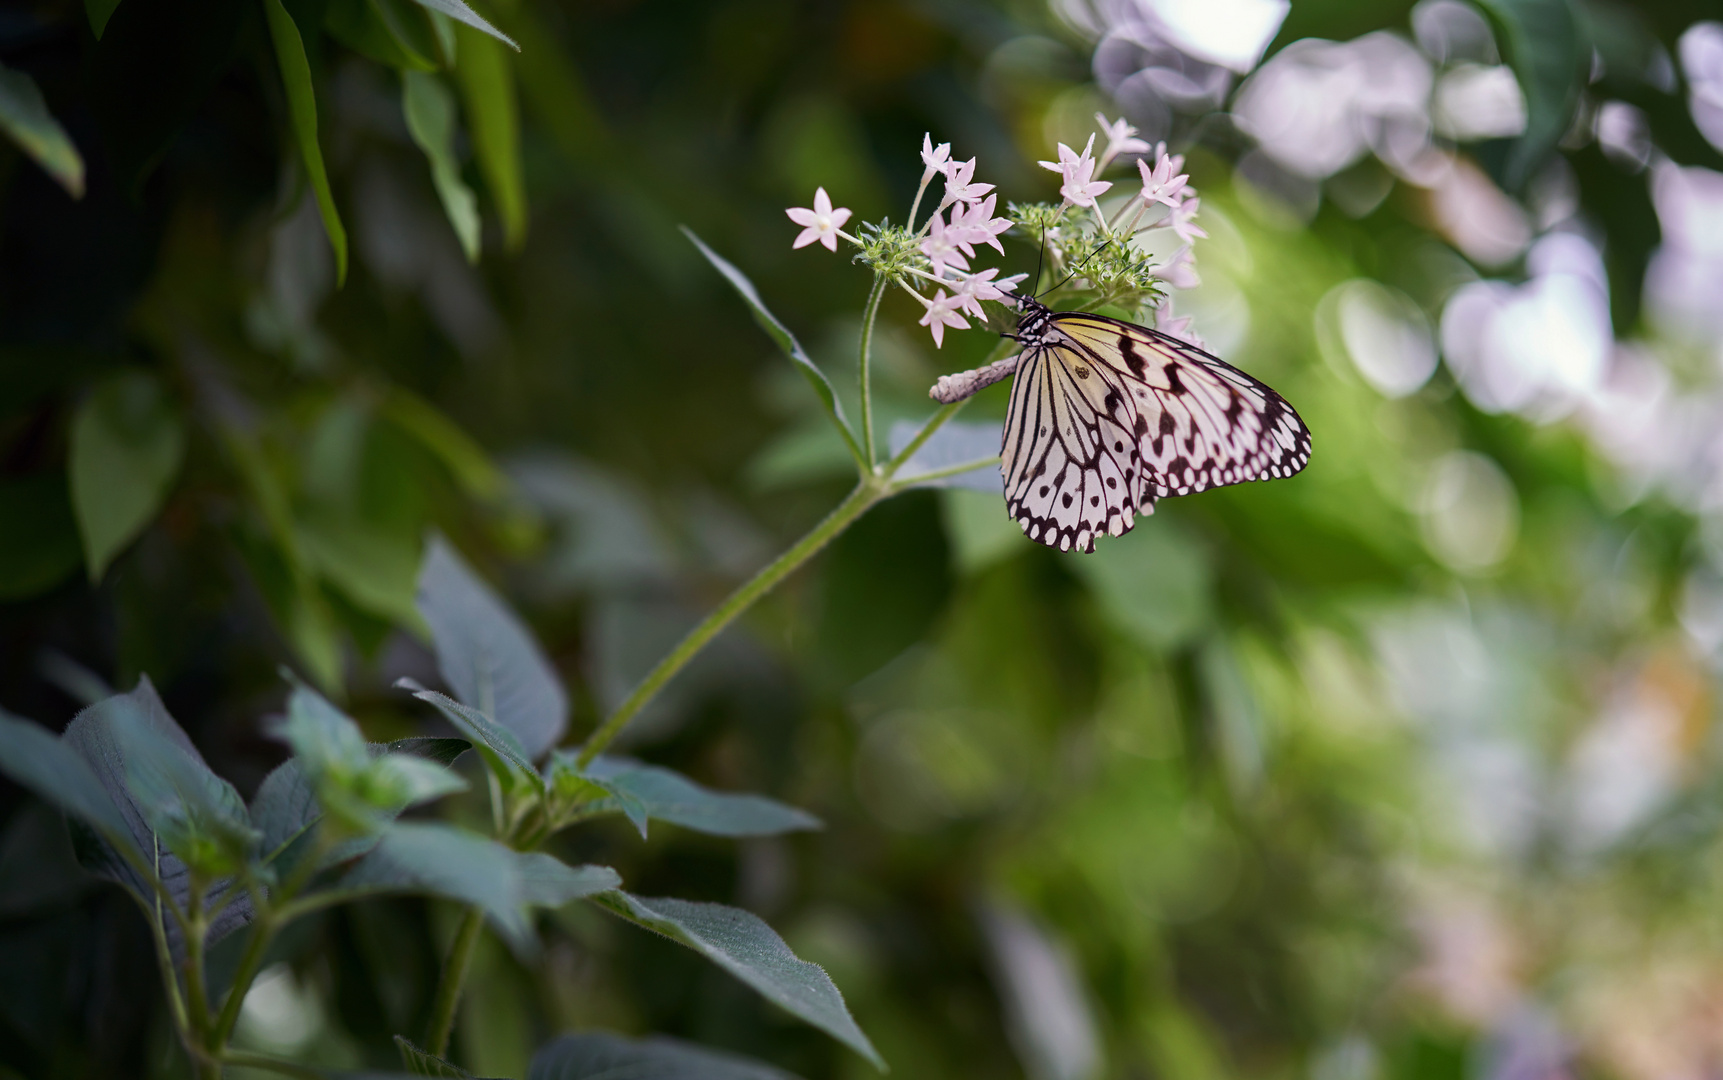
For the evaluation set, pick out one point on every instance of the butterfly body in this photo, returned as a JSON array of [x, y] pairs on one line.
[[1107, 416]]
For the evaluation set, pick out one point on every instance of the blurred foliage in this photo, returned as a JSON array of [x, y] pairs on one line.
[[1285, 785]]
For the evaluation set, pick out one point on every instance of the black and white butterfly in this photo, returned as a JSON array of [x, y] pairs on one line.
[[1106, 417]]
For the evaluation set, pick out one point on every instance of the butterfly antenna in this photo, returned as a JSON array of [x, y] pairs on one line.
[[1076, 269]]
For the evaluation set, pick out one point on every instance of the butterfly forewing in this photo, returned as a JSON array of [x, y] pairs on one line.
[[1106, 416]]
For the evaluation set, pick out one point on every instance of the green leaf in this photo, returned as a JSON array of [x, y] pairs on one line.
[[466, 461], [485, 654], [458, 865], [495, 743], [740, 943], [599, 1055], [99, 12], [368, 28], [493, 114], [127, 445], [1154, 583], [430, 112], [198, 815], [25, 118], [579, 788], [372, 566], [39, 546], [302, 110], [461, 13], [669, 796], [1542, 41], [36, 759], [786, 340], [424, 1063]]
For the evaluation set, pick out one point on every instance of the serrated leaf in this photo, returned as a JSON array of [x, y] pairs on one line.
[[25, 118], [198, 815], [497, 744], [548, 882], [461, 13], [955, 443], [493, 115], [665, 795], [430, 111], [742, 944], [302, 112], [424, 1063], [1543, 42], [600, 1055], [786, 341], [485, 654], [127, 443]]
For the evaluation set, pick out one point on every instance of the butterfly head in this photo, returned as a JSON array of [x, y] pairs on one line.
[[1035, 322]]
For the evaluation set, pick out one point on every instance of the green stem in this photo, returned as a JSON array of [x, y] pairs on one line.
[[196, 993], [934, 423], [270, 1064], [941, 473], [453, 979], [869, 314], [256, 947], [866, 493]]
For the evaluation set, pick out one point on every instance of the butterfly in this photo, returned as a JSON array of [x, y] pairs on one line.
[[1107, 416]]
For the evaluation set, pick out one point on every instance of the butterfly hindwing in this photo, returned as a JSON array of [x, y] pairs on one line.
[[1106, 416]]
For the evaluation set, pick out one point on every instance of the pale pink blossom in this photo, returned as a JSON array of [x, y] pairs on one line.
[[1121, 139], [1177, 327], [977, 225], [959, 185], [942, 246], [941, 313], [822, 222], [1160, 185], [1181, 221], [980, 286], [936, 158], [1077, 170], [1179, 271]]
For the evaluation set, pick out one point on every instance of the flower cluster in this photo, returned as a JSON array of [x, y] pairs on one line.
[[1095, 261]]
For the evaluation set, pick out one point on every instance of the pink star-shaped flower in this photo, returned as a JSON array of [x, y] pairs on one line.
[[1121, 139], [959, 185], [1179, 327], [1159, 183], [1079, 188], [941, 313], [977, 225], [935, 158], [942, 247], [1182, 223], [980, 286], [822, 222], [1179, 271]]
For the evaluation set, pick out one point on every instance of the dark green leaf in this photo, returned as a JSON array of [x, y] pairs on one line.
[[430, 112], [1543, 42], [599, 1055], [198, 815], [302, 109], [361, 26], [461, 13], [740, 943], [786, 340], [39, 546], [464, 458], [488, 91], [548, 882], [486, 656], [24, 116], [127, 444], [375, 568], [36, 759], [424, 1063], [495, 743], [575, 786], [670, 796], [99, 12]]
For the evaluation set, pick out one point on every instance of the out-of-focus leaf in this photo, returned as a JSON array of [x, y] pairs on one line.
[[786, 341], [363, 26], [570, 782], [557, 95], [599, 1055], [424, 1063], [464, 458], [956, 443], [979, 529], [461, 13], [99, 12], [495, 743], [441, 861], [302, 111], [1153, 582], [740, 943], [25, 118], [670, 796], [1542, 41], [374, 567], [486, 656], [39, 545], [34, 758], [493, 115], [430, 112], [127, 445], [198, 815]]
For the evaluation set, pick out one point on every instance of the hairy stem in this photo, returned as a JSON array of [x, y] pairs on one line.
[[869, 314], [453, 980]]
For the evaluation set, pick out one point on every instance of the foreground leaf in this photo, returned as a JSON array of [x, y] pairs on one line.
[[430, 112], [302, 110], [493, 114], [486, 656], [127, 445], [24, 116], [786, 341], [600, 1055], [742, 944], [1543, 43], [461, 13], [665, 795], [495, 743]]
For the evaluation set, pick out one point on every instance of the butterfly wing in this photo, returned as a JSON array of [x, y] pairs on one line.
[[1069, 455], [1200, 422]]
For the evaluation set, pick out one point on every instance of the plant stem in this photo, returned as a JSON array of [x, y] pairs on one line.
[[270, 1064], [256, 947], [197, 996], [453, 979], [866, 493], [941, 473], [869, 314]]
